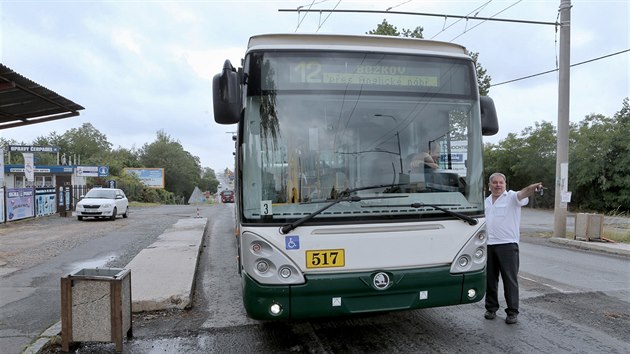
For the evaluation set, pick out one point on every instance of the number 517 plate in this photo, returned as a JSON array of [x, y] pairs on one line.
[[325, 258]]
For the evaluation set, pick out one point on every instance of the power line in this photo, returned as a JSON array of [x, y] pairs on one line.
[[322, 23], [480, 23], [300, 22], [395, 6], [423, 14], [478, 9], [550, 71]]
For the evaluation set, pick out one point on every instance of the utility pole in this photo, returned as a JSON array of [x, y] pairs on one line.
[[562, 150]]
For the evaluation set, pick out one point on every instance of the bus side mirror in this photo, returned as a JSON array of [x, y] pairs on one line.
[[226, 95], [489, 120]]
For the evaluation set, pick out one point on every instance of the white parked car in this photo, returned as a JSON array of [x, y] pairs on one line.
[[103, 203]]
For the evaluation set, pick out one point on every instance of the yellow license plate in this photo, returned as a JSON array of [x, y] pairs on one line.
[[325, 258]]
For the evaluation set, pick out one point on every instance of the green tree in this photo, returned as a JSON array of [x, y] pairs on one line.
[[525, 159], [15, 158], [87, 143], [483, 79], [599, 162], [46, 158], [501, 157], [386, 29], [182, 172], [209, 180], [131, 184], [120, 158]]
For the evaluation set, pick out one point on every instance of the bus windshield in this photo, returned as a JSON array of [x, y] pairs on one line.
[[401, 131]]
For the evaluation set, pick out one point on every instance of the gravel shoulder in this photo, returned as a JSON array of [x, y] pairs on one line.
[[30, 242], [24, 245]]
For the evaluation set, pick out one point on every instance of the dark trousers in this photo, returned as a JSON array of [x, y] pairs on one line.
[[502, 260]]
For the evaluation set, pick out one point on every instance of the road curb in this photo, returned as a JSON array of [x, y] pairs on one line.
[[611, 248], [51, 335], [181, 241], [163, 274]]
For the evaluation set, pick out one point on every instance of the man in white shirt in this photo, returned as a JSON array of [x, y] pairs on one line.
[[503, 218]]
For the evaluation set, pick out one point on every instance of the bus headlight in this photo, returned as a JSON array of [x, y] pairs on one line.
[[285, 272], [471, 293], [275, 309], [262, 266], [472, 257], [267, 264], [480, 253], [463, 262]]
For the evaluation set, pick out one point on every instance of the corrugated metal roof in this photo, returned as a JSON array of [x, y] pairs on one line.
[[24, 102]]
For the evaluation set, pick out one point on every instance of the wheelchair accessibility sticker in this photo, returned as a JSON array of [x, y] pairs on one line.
[[292, 242]]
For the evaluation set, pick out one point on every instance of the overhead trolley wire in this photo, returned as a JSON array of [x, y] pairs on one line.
[[402, 3], [572, 65], [320, 14], [423, 14], [478, 9], [484, 21], [299, 10]]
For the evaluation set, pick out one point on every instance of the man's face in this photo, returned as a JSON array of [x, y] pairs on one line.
[[497, 186], [435, 152]]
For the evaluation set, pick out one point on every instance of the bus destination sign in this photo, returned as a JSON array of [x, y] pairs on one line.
[[314, 72]]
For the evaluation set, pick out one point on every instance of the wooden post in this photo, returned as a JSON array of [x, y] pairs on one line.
[[66, 313]]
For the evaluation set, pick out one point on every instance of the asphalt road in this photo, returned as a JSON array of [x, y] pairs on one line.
[[36, 253], [571, 301]]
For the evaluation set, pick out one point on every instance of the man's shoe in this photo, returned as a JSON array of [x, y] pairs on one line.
[[489, 315], [511, 319]]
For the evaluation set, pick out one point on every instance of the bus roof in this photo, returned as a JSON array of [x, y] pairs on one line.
[[370, 43]]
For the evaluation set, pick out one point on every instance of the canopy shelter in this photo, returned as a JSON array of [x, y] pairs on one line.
[[24, 102]]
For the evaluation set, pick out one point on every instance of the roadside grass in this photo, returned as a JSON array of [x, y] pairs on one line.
[[621, 231], [617, 235], [143, 204]]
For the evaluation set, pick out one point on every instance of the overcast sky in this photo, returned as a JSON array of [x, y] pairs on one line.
[[142, 66]]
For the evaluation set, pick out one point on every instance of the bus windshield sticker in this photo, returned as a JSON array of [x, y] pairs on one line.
[[292, 242], [265, 208]]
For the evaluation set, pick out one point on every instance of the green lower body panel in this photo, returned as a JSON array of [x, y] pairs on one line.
[[349, 293]]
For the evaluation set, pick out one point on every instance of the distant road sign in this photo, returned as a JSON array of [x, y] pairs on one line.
[[92, 171]]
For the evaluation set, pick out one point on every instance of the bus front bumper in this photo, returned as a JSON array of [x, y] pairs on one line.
[[350, 293]]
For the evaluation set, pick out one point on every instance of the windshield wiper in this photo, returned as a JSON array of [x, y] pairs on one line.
[[344, 196], [466, 218]]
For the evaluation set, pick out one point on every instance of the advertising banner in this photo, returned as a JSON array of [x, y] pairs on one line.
[[151, 177], [1, 167], [20, 203], [1, 204], [46, 201], [29, 167]]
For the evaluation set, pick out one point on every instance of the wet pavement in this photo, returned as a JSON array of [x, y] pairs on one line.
[[210, 326]]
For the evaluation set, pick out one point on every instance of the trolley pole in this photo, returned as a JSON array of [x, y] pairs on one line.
[[562, 151]]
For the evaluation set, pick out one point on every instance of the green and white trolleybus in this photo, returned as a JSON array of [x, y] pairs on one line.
[[337, 210]]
